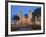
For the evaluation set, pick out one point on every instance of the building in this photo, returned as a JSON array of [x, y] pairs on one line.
[[23, 20]]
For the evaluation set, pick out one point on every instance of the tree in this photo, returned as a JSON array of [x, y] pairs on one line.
[[15, 17], [37, 12]]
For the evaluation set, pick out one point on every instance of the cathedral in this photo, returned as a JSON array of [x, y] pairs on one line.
[[25, 20]]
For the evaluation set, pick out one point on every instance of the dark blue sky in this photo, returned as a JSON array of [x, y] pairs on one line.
[[15, 9]]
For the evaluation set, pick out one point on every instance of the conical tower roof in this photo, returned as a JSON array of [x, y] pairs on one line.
[[19, 13]]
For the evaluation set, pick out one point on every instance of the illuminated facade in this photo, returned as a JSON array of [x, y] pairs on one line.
[[24, 20]]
